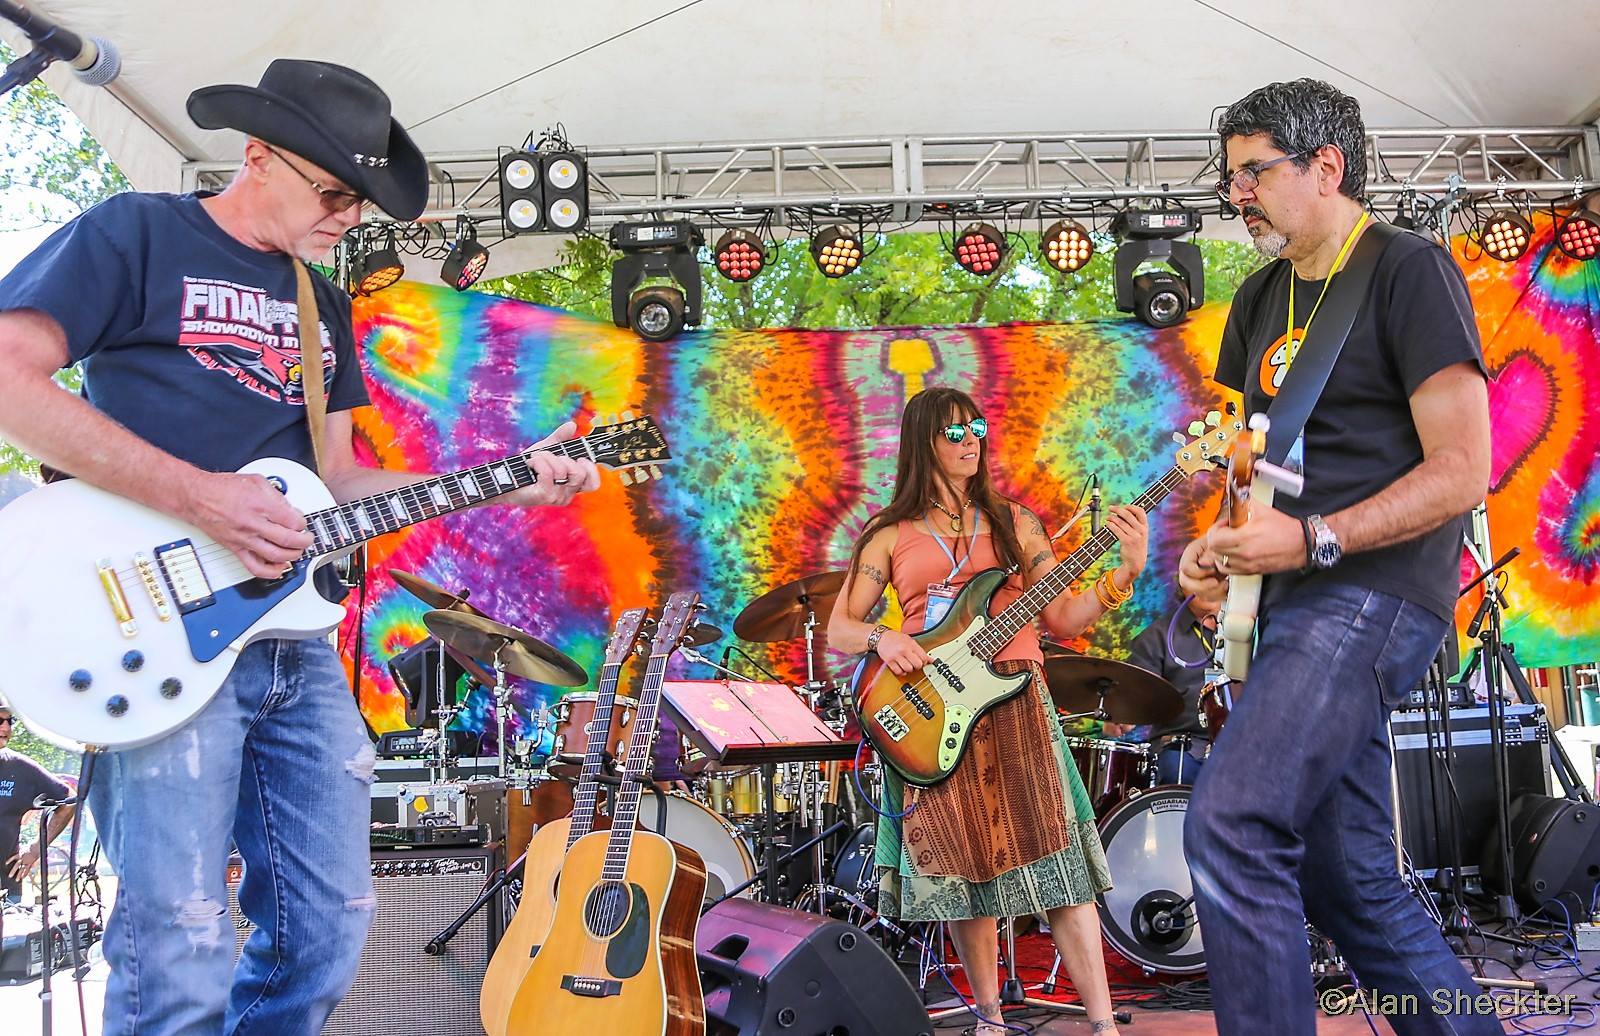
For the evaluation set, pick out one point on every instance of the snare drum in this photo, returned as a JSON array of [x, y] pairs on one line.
[[727, 858], [1110, 769], [573, 714]]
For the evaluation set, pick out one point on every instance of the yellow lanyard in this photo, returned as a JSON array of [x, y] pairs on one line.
[[1289, 341]]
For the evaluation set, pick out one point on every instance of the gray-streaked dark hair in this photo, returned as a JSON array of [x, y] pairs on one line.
[[1300, 117]]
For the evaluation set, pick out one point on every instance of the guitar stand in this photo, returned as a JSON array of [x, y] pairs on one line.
[[436, 946]]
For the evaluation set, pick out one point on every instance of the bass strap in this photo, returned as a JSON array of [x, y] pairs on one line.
[[310, 358]]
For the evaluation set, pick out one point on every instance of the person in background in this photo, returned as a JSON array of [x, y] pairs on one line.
[[1181, 744], [21, 781]]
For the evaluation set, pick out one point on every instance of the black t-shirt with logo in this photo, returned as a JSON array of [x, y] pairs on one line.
[[188, 337], [21, 781], [1415, 321]]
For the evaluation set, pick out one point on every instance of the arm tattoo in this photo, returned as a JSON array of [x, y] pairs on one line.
[[1038, 559], [1035, 524], [874, 573]]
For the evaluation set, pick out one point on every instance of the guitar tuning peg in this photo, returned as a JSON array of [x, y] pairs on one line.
[[1196, 428], [655, 472], [641, 474], [625, 476], [1178, 438], [1213, 418], [626, 415]]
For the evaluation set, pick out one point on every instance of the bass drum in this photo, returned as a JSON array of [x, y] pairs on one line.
[[727, 858], [1144, 846]]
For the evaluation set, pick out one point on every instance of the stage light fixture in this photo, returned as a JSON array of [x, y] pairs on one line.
[[836, 251], [543, 191], [1578, 236], [739, 255], [1506, 235], [664, 251], [1160, 297], [467, 259], [378, 268], [980, 249], [1066, 246]]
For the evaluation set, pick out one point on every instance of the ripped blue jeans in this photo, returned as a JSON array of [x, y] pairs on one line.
[[278, 764]]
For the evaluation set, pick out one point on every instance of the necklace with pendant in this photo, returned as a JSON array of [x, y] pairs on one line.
[[955, 519]]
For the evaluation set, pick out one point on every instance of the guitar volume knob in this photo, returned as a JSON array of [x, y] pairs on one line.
[[171, 687], [117, 705], [80, 680], [133, 661]]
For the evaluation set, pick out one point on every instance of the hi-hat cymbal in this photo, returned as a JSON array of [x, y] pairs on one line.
[[701, 634], [780, 614], [1132, 695], [436, 596], [520, 653]]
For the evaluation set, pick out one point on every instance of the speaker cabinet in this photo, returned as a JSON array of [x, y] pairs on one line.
[[769, 970], [399, 989], [1555, 853]]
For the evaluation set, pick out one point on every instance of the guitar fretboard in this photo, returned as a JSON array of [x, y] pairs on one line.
[[347, 525], [999, 631], [626, 811], [586, 797]]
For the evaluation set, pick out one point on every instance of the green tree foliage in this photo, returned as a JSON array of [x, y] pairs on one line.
[[51, 757], [904, 279], [43, 146]]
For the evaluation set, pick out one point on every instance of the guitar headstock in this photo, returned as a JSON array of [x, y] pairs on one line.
[[624, 636], [632, 446], [1209, 440], [674, 622]]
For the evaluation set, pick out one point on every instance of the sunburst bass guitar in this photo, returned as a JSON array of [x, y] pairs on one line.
[[619, 957], [119, 623], [547, 851], [920, 723]]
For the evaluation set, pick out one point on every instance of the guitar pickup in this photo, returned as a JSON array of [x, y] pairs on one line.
[[180, 566], [591, 987], [891, 723]]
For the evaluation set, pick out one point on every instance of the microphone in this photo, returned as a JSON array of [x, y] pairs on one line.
[[1094, 505], [94, 61]]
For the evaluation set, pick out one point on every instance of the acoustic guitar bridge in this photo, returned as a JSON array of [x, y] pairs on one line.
[[592, 987]]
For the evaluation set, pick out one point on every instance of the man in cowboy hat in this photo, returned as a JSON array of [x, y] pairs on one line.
[[183, 311]]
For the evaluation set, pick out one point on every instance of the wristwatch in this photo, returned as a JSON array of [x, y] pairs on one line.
[[1325, 550]]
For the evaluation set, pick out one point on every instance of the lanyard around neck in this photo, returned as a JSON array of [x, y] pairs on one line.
[[956, 566], [1289, 342]]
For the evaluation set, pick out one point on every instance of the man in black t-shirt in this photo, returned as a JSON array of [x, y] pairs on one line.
[[1290, 817], [21, 782], [184, 314], [1181, 743]]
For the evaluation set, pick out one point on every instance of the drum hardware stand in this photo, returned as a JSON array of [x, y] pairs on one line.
[[435, 947], [1012, 993], [818, 838]]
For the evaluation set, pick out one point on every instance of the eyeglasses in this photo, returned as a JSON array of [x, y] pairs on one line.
[[957, 432], [1248, 178], [332, 200], [8, 720]]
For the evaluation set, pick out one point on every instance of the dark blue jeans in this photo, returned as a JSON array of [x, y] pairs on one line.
[[1290, 820]]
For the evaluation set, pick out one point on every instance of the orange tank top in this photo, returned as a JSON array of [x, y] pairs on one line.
[[917, 562]]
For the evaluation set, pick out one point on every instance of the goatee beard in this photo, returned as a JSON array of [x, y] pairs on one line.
[[1268, 242]]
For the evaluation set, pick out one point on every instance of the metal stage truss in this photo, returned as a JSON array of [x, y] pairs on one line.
[[903, 180]]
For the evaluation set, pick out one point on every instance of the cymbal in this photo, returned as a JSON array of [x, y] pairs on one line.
[[1132, 695], [701, 634], [435, 596], [780, 614], [520, 653]]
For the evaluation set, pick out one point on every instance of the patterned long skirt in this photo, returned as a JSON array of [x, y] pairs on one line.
[[999, 837]]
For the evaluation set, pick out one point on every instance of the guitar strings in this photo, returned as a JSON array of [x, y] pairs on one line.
[[214, 553]]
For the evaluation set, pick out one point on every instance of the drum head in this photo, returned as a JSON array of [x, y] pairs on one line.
[[1143, 838], [727, 858]]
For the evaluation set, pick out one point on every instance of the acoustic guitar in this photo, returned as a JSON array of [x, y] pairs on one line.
[[547, 851], [619, 957]]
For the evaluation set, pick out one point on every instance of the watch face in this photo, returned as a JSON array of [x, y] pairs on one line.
[[1328, 555]]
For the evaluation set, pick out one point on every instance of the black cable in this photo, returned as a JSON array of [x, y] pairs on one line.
[[80, 966]]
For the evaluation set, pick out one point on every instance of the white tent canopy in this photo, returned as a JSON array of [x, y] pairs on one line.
[[473, 76]]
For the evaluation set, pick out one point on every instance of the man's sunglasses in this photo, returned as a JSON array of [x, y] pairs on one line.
[[8, 720], [957, 432], [332, 200]]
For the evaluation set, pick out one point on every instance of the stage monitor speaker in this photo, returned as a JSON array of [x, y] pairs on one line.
[[769, 970], [1555, 853], [399, 989], [1527, 736]]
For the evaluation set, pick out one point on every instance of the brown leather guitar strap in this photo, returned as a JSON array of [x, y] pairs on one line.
[[310, 359]]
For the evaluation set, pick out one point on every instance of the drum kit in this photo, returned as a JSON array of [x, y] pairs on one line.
[[796, 826]]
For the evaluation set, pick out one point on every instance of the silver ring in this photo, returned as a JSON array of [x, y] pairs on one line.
[[562, 481], [1222, 561]]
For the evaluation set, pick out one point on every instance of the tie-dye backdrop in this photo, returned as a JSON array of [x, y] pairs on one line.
[[784, 442]]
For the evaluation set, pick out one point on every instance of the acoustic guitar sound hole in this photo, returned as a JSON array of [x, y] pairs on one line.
[[606, 909]]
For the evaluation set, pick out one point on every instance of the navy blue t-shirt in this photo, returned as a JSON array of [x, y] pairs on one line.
[[188, 337]]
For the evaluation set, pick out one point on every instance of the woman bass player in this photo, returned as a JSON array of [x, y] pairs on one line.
[[1011, 831]]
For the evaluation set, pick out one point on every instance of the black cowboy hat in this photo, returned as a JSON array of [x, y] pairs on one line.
[[332, 116]]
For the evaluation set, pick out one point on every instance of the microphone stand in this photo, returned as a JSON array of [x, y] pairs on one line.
[[47, 808], [24, 70]]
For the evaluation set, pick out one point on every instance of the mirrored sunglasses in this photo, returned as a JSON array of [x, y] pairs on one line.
[[957, 432]]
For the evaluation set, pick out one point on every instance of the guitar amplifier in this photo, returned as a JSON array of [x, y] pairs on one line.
[[399, 989], [1527, 736]]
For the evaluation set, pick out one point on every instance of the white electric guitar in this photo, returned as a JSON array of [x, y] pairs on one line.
[[118, 623], [1250, 480]]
